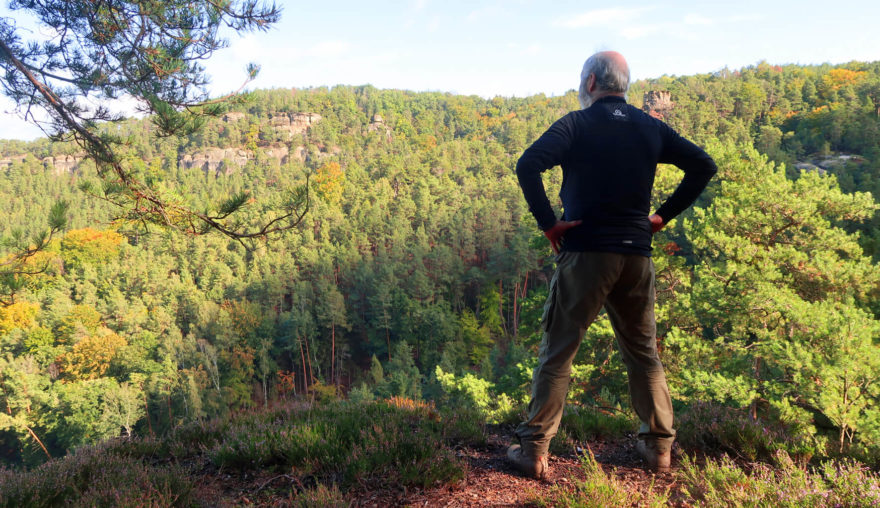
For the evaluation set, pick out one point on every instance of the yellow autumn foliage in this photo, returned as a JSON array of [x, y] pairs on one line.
[[18, 315], [91, 356]]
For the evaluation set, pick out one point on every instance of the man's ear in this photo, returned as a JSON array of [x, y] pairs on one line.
[[591, 83]]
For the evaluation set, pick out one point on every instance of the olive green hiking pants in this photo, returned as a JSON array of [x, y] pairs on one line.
[[582, 284]]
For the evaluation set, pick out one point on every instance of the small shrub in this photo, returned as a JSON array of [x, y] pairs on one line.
[[724, 483], [561, 444], [471, 391], [852, 484], [95, 477], [463, 426], [599, 489], [140, 447], [711, 427], [192, 438], [587, 423], [401, 439], [324, 393], [360, 394], [320, 497]]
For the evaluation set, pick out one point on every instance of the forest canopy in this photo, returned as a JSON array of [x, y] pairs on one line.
[[418, 271]]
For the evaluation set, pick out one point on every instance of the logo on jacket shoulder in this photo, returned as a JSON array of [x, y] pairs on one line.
[[618, 112]]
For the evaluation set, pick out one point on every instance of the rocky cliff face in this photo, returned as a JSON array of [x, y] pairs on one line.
[[216, 160], [63, 164], [225, 161], [9, 160], [658, 103], [293, 123], [59, 165], [213, 159]]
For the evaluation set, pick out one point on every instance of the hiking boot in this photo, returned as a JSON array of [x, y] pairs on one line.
[[659, 461], [535, 467]]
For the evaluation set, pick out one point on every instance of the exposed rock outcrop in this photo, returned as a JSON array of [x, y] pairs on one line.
[[63, 164], [377, 124], [216, 160], [658, 103], [9, 160], [229, 160], [293, 123], [232, 116], [829, 163], [58, 165]]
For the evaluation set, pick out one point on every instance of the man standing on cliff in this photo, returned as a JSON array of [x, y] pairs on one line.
[[609, 153]]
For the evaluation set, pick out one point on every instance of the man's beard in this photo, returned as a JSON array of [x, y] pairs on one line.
[[585, 99]]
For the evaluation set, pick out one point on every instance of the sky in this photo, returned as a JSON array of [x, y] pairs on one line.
[[523, 47]]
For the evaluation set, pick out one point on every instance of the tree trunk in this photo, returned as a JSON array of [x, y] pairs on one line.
[[170, 415], [753, 409], [332, 354], [147, 414], [303, 357], [515, 294], [387, 334], [33, 435], [309, 356]]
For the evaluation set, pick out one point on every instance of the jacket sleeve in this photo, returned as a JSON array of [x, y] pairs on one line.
[[548, 151], [698, 169]]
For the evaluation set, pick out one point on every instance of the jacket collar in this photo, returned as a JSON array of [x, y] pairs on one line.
[[610, 98]]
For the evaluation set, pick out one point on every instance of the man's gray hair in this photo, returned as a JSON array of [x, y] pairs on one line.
[[609, 77]]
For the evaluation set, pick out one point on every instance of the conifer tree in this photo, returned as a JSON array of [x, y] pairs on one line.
[[148, 52]]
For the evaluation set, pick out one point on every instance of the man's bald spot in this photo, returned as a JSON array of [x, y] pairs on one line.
[[615, 59]]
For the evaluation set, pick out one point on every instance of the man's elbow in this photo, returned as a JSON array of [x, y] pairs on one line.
[[521, 166], [713, 168], [709, 168]]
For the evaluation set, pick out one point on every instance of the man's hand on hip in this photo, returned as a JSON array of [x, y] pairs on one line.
[[656, 223], [556, 233]]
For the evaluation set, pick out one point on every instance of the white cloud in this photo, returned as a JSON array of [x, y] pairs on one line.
[[601, 17]]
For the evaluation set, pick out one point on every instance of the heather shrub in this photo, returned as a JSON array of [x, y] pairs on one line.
[[723, 482], [716, 428], [401, 439], [851, 483], [588, 423], [93, 477], [320, 497], [600, 489]]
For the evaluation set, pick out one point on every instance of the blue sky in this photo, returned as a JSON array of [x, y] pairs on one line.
[[522, 47]]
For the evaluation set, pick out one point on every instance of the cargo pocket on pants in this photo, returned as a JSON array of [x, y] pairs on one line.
[[549, 305]]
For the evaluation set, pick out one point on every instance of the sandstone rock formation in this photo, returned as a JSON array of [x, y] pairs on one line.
[[58, 165], [377, 124], [229, 160], [9, 160], [216, 160], [293, 123], [658, 103], [232, 116], [63, 164]]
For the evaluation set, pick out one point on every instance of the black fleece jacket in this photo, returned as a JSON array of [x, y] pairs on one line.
[[609, 154]]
